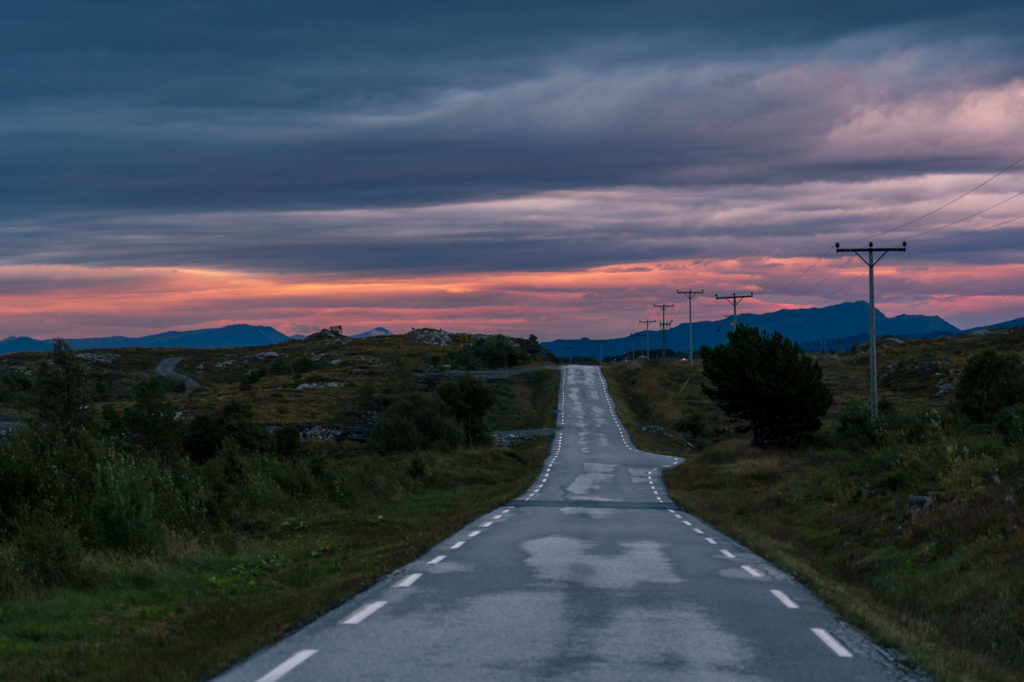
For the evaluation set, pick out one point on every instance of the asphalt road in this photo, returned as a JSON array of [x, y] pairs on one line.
[[593, 574]]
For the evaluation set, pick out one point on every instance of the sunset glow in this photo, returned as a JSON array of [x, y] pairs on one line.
[[599, 302]]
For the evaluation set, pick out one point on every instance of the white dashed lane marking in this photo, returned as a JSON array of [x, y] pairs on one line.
[[727, 554], [831, 642], [362, 614], [293, 662], [786, 601], [408, 580], [753, 571], [458, 544], [436, 560]]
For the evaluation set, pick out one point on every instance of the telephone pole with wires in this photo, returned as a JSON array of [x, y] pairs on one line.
[[871, 260], [735, 300], [689, 295], [664, 325], [647, 328]]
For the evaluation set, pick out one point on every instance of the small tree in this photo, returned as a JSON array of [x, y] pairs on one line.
[[768, 380], [415, 421], [150, 421], [990, 382], [469, 398], [62, 390]]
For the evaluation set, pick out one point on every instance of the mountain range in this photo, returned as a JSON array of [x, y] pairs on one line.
[[831, 328], [231, 336]]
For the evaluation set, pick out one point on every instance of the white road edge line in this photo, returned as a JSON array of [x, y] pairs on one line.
[[753, 571], [830, 641], [408, 580], [293, 662], [784, 598], [364, 613], [436, 560]]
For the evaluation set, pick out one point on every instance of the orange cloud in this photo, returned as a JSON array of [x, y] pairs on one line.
[[69, 301]]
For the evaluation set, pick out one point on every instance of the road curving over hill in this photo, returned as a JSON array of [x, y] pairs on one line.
[[592, 574], [166, 368]]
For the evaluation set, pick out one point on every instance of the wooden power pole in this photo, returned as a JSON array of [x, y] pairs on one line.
[[871, 260], [664, 325], [647, 329], [735, 300], [689, 295]]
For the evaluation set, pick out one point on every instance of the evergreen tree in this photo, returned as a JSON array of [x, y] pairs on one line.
[[767, 379]]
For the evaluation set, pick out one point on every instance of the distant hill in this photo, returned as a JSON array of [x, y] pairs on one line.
[[1019, 322], [376, 331], [231, 336], [836, 327]]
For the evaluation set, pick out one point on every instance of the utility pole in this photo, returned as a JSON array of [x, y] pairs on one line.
[[735, 299], [689, 295], [664, 325], [871, 261], [647, 328]]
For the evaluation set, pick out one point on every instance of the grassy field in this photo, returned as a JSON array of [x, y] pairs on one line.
[[910, 529], [280, 534]]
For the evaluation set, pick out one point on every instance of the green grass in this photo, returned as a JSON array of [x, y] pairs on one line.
[[292, 535], [189, 615], [942, 584]]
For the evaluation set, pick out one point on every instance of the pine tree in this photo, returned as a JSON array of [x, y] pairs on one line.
[[766, 379]]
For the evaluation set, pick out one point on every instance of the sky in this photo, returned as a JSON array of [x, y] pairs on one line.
[[550, 168]]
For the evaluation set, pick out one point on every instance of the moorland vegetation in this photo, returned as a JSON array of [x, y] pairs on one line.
[[153, 532]]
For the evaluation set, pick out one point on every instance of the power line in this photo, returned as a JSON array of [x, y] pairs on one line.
[[961, 233], [951, 202], [965, 218]]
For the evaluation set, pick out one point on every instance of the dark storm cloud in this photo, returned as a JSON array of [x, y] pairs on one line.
[[132, 132]]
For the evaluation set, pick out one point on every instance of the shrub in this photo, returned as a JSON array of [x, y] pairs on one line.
[[150, 420], [768, 380], [1010, 424], [415, 421], [303, 365], [469, 398], [124, 513], [14, 387], [990, 382], [287, 440], [206, 433], [856, 429], [49, 550], [491, 352]]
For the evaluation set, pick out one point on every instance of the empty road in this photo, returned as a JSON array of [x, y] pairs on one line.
[[593, 574]]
